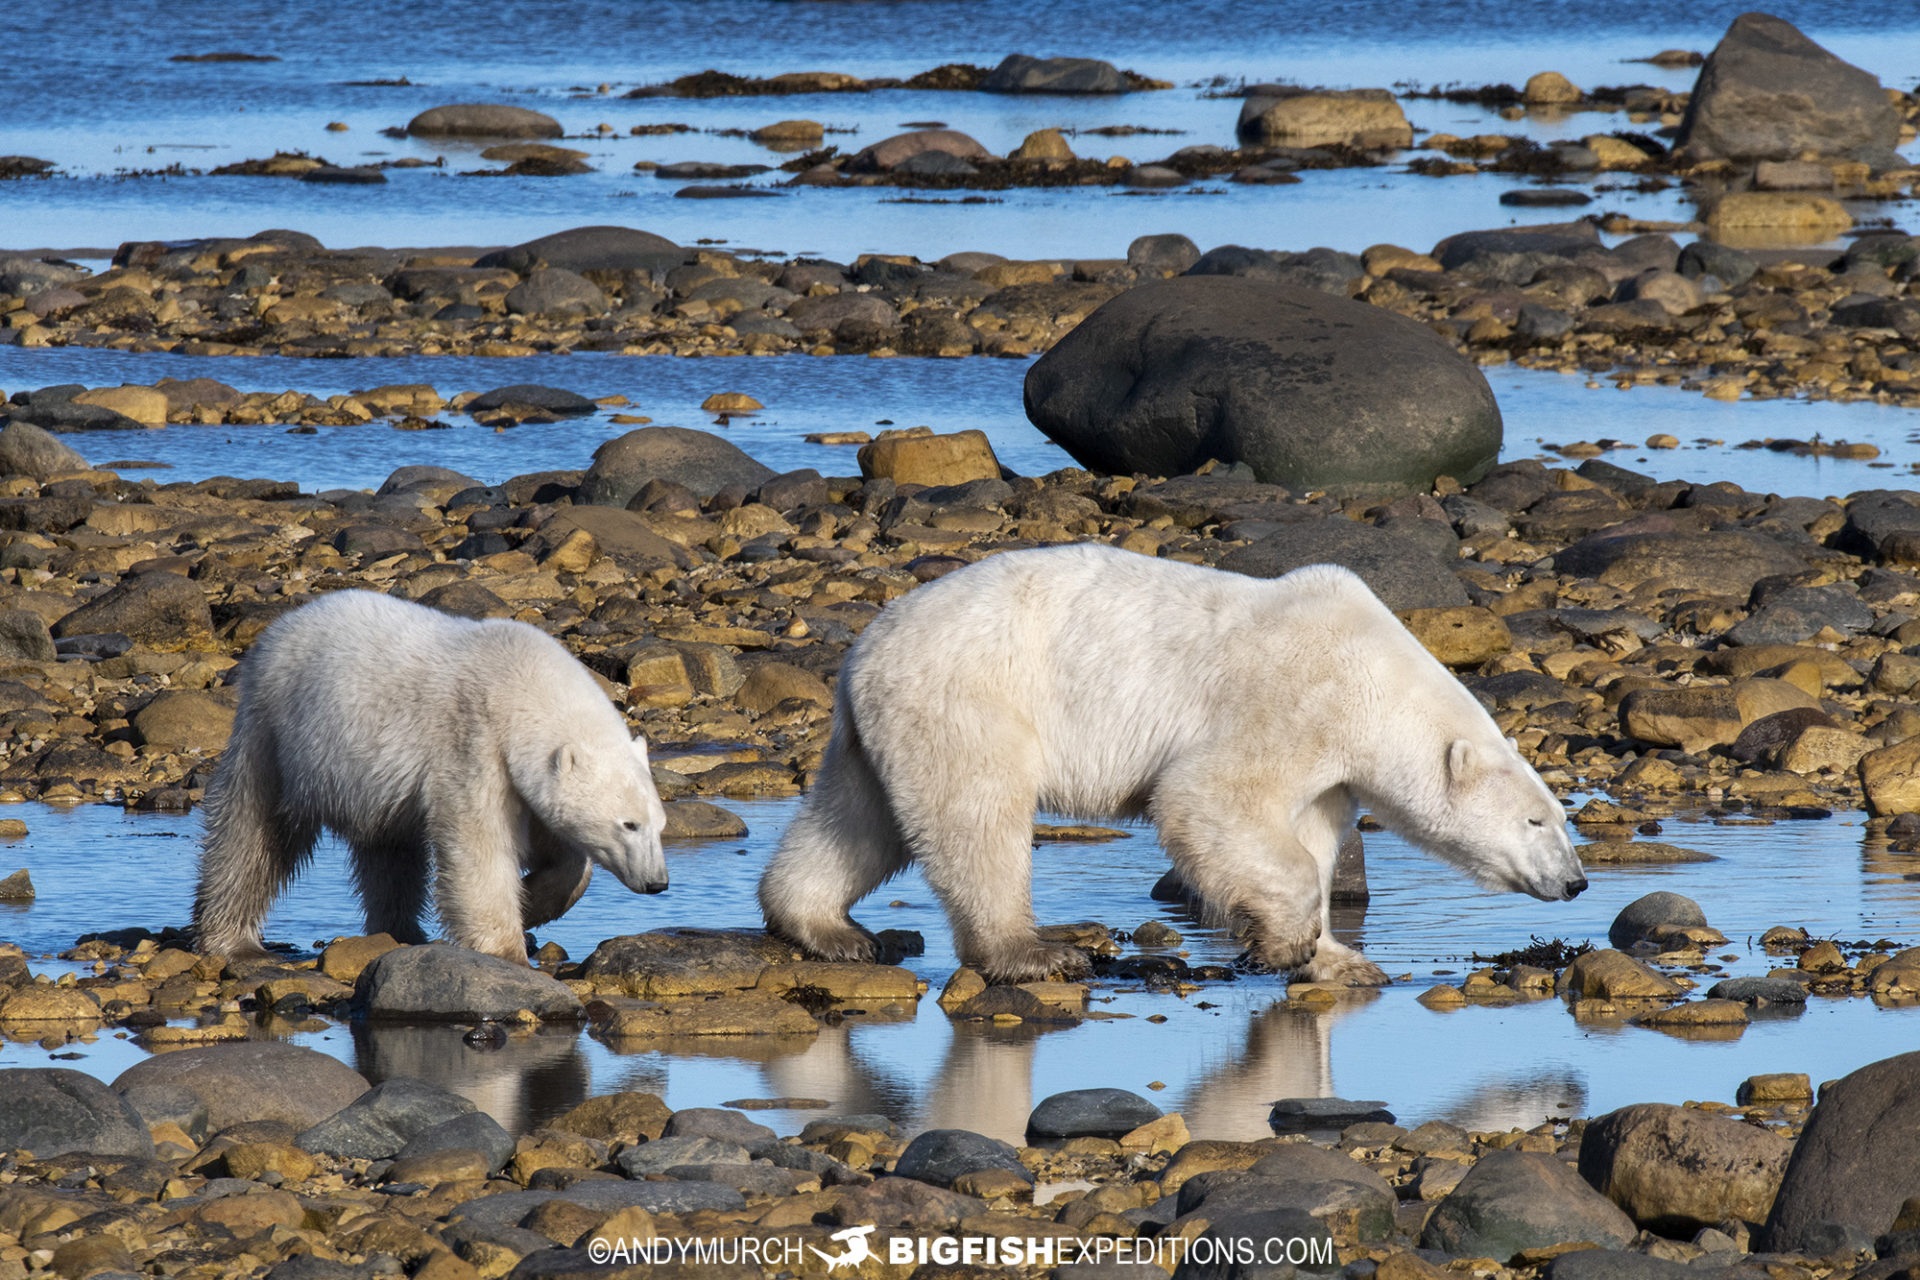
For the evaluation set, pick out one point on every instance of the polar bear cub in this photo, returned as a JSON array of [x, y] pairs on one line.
[[1250, 719], [471, 751]]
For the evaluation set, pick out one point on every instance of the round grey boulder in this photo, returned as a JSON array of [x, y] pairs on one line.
[[51, 1111], [1643, 916], [483, 120], [1397, 566], [939, 1156], [442, 983], [1768, 92], [1516, 1200], [1168, 254], [1091, 1113], [253, 1080], [1309, 390], [701, 461], [382, 1121]]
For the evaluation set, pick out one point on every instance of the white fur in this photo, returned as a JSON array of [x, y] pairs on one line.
[[1250, 719], [479, 749]]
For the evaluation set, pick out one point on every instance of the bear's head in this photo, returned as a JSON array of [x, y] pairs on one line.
[[604, 804], [1503, 826]]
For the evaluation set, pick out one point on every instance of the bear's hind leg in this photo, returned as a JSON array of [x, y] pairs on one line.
[[1247, 869], [391, 877], [251, 851], [841, 846]]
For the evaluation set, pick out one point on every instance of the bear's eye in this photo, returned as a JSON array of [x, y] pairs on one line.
[[634, 826], [1535, 822]]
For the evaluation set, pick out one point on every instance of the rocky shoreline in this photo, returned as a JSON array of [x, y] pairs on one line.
[[234, 1158], [1731, 324]]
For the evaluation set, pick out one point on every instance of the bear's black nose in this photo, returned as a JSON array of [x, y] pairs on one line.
[[1576, 887], [660, 886]]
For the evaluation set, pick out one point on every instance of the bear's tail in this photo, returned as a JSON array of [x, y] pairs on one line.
[[250, 851]]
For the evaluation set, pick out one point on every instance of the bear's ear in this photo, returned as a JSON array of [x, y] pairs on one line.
[[1460, 759], [563, 760]]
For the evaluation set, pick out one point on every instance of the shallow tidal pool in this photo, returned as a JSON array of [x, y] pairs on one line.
[[1221, 1055]]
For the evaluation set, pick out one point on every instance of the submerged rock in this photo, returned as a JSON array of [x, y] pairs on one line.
[[483, 120]]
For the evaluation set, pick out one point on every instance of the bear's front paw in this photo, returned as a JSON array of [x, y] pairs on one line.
[[1037, 962], [1342, 966], [1282, 955]]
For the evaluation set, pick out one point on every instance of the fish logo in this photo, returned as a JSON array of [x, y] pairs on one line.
[[856, 1252]]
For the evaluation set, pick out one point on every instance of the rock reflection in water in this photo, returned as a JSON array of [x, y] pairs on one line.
[[1514, 1101], [522, 1083], [1287, 1053]]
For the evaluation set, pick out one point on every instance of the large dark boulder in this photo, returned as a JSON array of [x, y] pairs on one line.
[[1768, 92], [1020, 73], [587, 249], [51, 1111], [1855, 1162], [1396, 566], [701, 461], [1311, 391]]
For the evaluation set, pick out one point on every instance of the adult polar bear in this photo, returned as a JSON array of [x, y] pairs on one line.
[[482, 748], [1250, 719]]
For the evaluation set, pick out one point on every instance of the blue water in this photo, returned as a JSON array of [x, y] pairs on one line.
[[1223, 1054], [805, 395], [198, 115]]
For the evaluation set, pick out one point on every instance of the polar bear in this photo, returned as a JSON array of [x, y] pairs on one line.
[[480, 748], [1249, 719]]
